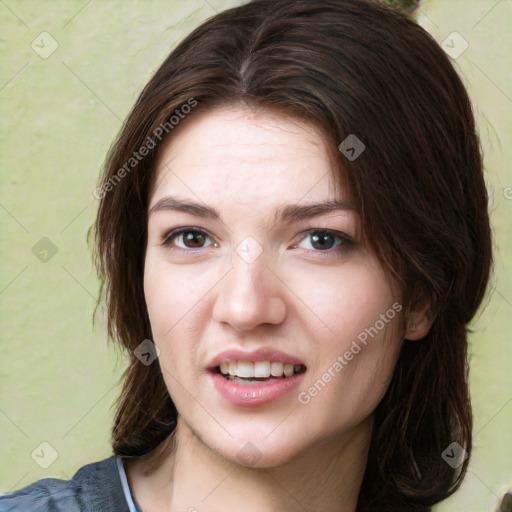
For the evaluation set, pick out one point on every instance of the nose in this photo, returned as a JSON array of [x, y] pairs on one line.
[[250, 295]]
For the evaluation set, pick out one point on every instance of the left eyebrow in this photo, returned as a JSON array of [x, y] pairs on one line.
[[286, 213], [289, 213]]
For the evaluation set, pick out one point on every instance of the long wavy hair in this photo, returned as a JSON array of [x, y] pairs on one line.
[[347, 67]]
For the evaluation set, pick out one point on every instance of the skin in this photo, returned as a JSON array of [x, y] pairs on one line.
[[302, 298]]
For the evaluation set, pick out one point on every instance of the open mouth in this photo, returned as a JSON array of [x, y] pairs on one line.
[[259, 372], [252, 379]]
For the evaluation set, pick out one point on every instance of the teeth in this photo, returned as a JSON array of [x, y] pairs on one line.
[[262, 369], [288, 370], [245, 369], [276, 370], [259, 369]]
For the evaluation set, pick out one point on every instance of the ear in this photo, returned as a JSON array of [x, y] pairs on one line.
[[419, 322]]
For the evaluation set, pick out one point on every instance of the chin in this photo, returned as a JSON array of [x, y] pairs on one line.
[[259, 447], [262, 456]]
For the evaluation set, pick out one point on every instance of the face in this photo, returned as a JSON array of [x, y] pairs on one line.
[[276, 324]]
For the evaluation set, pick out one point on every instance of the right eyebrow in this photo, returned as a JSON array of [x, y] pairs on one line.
[[177, 204]]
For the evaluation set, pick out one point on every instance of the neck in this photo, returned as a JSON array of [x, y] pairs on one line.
[[326, 477]]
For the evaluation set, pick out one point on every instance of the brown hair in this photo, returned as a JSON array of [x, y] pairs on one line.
[[347, 67]]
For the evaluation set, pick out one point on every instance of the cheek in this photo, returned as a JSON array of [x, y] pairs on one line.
[[173, 298], [172, 303], [350, 382], [367, 326], [355, 361], [344, 301], [174, 293]]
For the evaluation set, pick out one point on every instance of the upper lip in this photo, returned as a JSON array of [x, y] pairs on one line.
[[262, 354]]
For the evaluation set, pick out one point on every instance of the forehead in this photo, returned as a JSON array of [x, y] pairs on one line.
[[239, 153]]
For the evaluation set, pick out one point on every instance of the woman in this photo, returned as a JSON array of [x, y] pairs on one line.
[[293, 236]]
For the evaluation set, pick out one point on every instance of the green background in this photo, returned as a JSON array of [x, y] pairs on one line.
[[58, 116]]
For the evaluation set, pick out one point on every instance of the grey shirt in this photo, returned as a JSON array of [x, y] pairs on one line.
[[98, 487]]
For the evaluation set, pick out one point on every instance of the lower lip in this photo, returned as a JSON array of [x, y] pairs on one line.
[[254, 394]]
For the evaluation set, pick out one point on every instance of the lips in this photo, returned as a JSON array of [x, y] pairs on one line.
[[255, 378]]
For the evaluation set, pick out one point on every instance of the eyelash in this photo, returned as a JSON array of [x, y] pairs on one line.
[[345, 240]]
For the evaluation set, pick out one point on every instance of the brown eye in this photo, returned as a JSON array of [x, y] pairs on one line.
[[193, 239], [187, 238], [325, 240], [322, 241]]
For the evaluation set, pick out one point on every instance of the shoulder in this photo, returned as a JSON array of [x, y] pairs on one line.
[[95, 487]]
